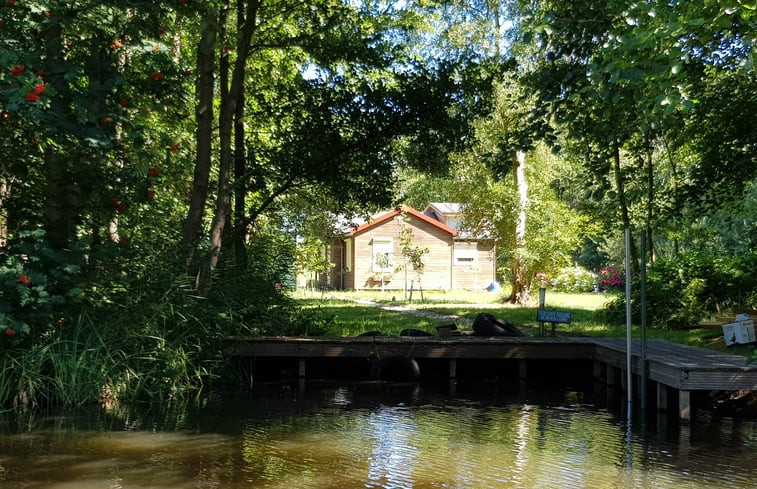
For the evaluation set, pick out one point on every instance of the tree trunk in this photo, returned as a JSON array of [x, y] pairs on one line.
[[240, 189], [236, 233], [674, 183], [204, 136], [226, 123], [223, 196], [521, 283], [650, 200], [625, 218]]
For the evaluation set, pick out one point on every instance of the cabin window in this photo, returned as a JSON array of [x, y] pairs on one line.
[[382, 255], [455, 222], [465, 254]]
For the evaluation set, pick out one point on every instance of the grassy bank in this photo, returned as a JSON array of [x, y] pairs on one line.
[[346, 317]]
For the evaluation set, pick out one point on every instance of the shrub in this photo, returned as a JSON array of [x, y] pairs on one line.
[[611, 279], [573, 280], [690, 287], [136, 332], [37, 284]]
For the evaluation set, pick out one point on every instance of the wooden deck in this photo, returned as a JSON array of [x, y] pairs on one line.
[[669, 365]]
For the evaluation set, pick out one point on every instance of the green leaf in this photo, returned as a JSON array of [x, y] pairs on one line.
[[633, 74]]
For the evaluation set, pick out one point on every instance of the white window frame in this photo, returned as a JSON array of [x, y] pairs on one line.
[[455, 222], [465, 254], [383, 246]]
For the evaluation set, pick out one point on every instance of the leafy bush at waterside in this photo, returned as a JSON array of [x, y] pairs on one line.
[[692, 287], [72, 336]]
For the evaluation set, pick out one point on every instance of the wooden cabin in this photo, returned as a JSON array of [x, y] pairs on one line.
[[370, 256]]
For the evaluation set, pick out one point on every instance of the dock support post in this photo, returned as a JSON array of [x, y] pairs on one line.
[[522, 369], [610, 375], [684, 404], [662, 397], [452, 368], [597, 370], [301, 368]]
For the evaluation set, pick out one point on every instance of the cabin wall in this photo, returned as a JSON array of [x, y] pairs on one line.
[[480, 271], [436, 273], [450, 263], [341, 256]]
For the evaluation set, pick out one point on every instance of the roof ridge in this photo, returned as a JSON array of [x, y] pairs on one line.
[[406, 209]]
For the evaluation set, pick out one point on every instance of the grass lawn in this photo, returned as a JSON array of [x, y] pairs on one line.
[[350, 318]]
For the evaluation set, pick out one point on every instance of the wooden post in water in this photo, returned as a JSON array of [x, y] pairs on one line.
[[662, 397], [301, 368], [597, 370], [684, 404]]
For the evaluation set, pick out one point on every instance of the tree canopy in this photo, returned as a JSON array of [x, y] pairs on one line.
[[179, 150]]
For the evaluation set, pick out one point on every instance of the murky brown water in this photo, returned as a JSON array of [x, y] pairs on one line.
[[376, 436]]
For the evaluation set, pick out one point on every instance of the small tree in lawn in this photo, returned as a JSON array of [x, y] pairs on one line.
[[311, 259], [413, 254], [382, 263]]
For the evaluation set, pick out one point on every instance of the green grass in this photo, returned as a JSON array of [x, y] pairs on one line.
[[349, 318]]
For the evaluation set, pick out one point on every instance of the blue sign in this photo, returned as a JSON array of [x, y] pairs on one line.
[[547, 316]]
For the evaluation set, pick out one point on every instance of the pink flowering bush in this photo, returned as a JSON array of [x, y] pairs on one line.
[[611, 278]]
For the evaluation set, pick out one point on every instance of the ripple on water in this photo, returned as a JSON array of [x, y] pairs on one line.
[[338, 439]]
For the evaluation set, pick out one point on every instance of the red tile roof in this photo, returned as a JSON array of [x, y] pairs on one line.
[[396, 212]]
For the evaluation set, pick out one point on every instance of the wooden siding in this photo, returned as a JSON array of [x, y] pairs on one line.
[[354, 266], [436, 273], [479, 274]]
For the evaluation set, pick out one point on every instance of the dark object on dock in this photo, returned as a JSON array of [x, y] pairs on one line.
[[488, 325], [394, 367], [414, 332], [447, 329]]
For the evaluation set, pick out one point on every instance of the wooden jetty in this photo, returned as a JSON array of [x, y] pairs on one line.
[[671, 366]]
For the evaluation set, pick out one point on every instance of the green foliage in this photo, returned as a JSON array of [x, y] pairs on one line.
[[554, 230], [573, 280], [38, 285], [412, 253], [145, 334], [311, 257], [723, 135], [691, 287]]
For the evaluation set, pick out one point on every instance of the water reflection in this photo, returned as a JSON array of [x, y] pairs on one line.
[[376, 436], [394, 456]]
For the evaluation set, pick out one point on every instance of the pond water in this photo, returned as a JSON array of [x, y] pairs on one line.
[[377, 435]]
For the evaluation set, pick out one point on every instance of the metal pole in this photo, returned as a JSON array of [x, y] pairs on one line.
[[643, 353], [629, 357]]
